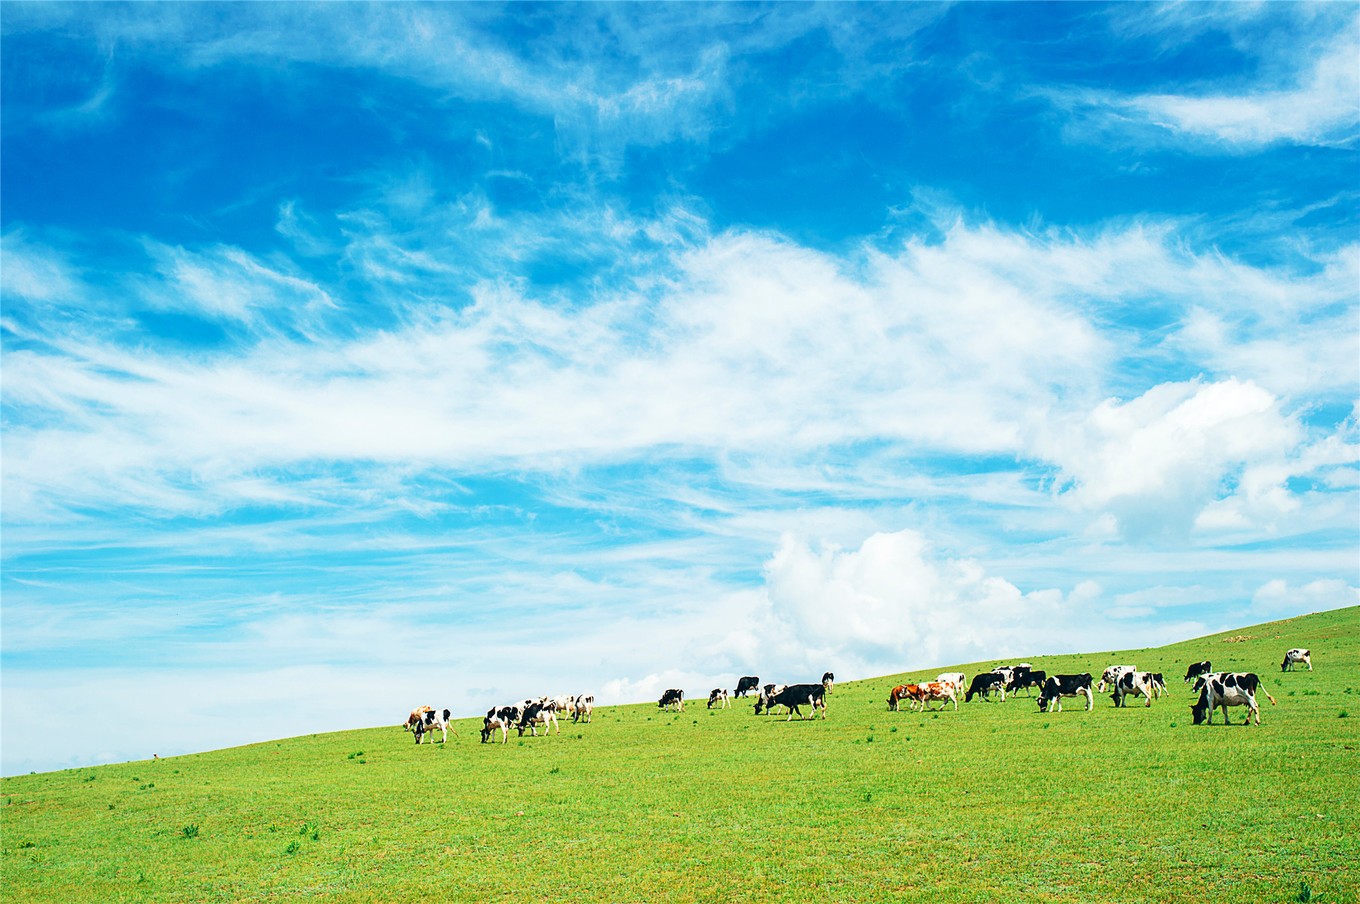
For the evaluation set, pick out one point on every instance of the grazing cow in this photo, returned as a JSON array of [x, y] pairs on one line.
[[749, 683], [958, 679], [717, 696], [502, 717], [1224, 689], [539, 713], [1133, 684], [1059, 686], [674, 698], [582, 707], [1292, 657], [1111, 676], [828, 680], [900, 693], [425, 720], [799, 695], [1196, 669], [765, 700], [1024, 679], [984, 684]]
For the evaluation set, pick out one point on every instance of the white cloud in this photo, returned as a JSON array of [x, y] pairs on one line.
[[1155, 462], [1278, 599]]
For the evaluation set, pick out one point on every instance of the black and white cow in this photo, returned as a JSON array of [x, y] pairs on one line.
[[1110, 676], [1059, 686], [798, 695], [765, 699], [1135, 684], [426, 720], [1295, 656], [1196, 669], [1023, 679], [984, 684], [540, 712], [749, 683], [503, 718], [674, 698], [582, 707], [1220, 690], [717, 697]]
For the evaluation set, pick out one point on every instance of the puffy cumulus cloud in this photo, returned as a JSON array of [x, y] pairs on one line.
[[894, 603], [1277, 598], [1156, 462]]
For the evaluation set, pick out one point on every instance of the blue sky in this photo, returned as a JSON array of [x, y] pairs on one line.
[[357, 356]]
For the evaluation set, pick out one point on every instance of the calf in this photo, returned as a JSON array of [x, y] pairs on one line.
[[674, 698], [984, 684], [900, 693], [1295, 656], [1111, 676], [425, 720], [1196, 669], [718, 697], [582, 708], [749, 683], [1059, 686], [1223, 689], [798, 695], [1133, 684], [539, 713]]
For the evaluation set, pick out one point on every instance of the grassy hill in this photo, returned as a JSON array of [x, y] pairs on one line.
[[997, 802]]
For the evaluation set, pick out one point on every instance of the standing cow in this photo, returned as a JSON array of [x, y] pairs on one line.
[[674, 698], [1224, 689], [1059, 686], [1294, 657], [747, 684]]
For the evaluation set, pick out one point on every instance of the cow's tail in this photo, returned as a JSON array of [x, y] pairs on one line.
[[1268, 697]]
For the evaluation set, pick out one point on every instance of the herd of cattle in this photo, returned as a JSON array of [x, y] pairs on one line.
[[1215, 690]]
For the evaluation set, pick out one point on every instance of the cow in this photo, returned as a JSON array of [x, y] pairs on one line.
[[900, 693], [502, 717], [1133, 684], [717, 697], [1224, 689], [674, 698], [958, 679], [1196, 669], [1024, 679], [749, 683], [1111, 676], [765, 699], [942, 691], [1059, 686], [798, 695], [1295, 656], [539, 713], [582, 707], [1006, 673], [426, 720], [983, 685], [828, 680]]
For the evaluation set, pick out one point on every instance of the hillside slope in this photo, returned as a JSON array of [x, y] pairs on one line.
[[993, 802]]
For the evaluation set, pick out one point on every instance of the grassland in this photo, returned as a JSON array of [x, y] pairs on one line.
[[997, 802]]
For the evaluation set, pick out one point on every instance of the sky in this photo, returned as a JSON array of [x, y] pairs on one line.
[[357, 357]]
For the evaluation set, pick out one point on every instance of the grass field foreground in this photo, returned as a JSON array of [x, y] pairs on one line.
[[994, 802]]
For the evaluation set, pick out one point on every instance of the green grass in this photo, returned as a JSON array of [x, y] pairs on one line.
[[995, 802]]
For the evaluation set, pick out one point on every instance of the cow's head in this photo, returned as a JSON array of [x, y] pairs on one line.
[[1200, 708]]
